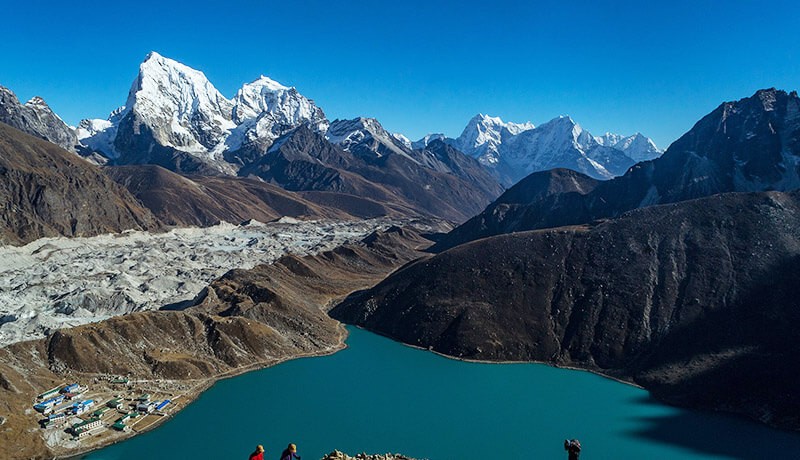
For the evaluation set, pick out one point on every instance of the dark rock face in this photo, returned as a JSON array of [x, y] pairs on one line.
[[696, 301], [443, 158], [47, 191], [136, 144], [749, 145], [520, 207], [37, 119], [304, 161]]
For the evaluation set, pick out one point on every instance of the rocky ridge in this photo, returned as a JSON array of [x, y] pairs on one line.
[[37, 119], [303, 160]]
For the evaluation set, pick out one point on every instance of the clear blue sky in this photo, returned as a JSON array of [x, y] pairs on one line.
[[420, 66]]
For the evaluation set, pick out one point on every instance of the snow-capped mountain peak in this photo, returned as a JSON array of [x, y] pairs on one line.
[[182, 110], [365, 137], [516, 150], [637, 146], [483, 135], [422, 143], [277, 107], [179, 105], [403, 139]]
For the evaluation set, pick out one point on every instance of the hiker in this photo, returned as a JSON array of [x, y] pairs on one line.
[[573, 447], [290, 453], [258, 454]]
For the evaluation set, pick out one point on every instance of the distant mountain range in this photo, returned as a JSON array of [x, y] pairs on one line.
[[514, 150], [745, 146], [175, 118]]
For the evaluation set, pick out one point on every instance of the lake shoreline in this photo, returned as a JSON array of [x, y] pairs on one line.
[[205, 386]]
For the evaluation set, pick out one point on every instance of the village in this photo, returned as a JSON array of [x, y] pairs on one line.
[[111, 408]]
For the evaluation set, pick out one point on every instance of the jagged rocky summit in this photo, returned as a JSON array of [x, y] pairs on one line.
[[37, 119], [175, 117]]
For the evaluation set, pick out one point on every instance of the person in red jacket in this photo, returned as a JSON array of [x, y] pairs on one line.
[[258, 454]]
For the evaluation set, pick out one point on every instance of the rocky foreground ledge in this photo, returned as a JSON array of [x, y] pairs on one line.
[[336, 455]]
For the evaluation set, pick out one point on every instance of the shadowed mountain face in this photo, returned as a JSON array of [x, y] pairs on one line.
[[35, 118], [749, 145], [696, 301], [47, 191], [520, 208], [305, 161]]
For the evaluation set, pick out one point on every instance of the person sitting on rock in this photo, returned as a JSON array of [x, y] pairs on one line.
[[290, 453], [573, 448], [258, 454]]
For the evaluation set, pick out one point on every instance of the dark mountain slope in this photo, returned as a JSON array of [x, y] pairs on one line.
[[696, 301], [520, 207], [304, 161], [749, 145], [204, 200], [47, 191]]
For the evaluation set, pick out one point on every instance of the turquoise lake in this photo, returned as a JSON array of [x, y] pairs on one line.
[[380, 396]]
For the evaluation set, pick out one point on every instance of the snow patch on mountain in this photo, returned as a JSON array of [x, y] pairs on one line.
[[367, 138], [422, 143]]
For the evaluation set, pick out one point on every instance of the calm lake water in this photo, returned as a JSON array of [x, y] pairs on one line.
[[380, 396]]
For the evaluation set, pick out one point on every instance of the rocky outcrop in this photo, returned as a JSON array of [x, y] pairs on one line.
[[47, 191], [336, 455], [696, 301], [37, 119]]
